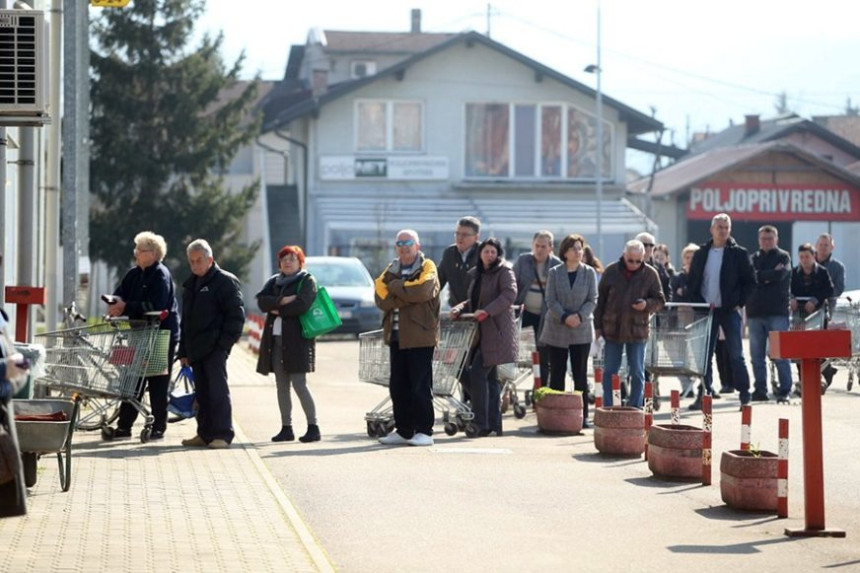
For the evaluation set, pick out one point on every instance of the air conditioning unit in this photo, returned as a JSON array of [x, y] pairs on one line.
[[23, 63]]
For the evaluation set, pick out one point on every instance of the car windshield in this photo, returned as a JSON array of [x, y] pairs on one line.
[[339, 275]]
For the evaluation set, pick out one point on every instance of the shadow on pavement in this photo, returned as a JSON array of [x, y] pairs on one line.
[[734, 549], [609, 461], [655, 482], [726, 513], [845, 564]]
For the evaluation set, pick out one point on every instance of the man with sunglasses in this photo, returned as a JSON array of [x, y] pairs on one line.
[[722, 275], [628, 293], [407, 292]]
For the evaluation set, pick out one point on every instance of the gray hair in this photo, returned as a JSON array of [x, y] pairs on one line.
[[634, 246], [721, 217], [646, 238], [690, 248], [544, 234], [411, 233], [199, 245], [471, 222], [149, 240]]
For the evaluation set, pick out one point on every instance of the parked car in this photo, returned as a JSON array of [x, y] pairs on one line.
[[350, 287]]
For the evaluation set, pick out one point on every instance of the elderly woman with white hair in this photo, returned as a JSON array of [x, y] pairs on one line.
[[148, 287], [629, 292]]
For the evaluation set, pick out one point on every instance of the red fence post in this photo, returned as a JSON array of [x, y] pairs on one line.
[[746, 423], [675, 402], [649, 412], [536, 370], [616, 390], [782, 471], [706, 440]]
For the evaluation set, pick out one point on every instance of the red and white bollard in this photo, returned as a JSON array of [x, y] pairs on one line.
[[616, 390], [536, 370], [707, 426], [782, 471], [649, 412], [598, 401], [675, 403], [746, 423]]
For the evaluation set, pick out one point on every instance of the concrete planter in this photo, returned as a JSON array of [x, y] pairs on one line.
[[748, 482], [560, 413], [619, 431], [675, 451]]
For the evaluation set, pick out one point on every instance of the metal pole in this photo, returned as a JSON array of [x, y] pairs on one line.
[[599, 145], [26, 246], [71, 147], [52, 179], [83, 158], [3, 224]]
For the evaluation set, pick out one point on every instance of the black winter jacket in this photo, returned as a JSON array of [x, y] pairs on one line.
[[148, 290], [299, 353], [737, 279], [213, 314], [770, 296], [455, 273], [818, 287]]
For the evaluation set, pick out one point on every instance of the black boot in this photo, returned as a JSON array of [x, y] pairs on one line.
[[285, 435], [313, 434]]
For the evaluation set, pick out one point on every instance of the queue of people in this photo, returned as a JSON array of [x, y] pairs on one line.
[[568, 298]]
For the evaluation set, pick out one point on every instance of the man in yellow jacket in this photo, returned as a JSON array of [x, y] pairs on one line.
[[407, 292]]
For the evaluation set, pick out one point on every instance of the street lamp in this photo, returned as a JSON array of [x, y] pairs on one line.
[[598, 134]]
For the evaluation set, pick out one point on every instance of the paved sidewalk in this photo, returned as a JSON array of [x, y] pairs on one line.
[[160, 507]]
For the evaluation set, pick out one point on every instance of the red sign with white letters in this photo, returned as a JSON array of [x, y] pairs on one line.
[[764, 202]]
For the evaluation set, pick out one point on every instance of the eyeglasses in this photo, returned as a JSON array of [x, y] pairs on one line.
[[648, 245], [633, 261], [406, 243], [464, 235]]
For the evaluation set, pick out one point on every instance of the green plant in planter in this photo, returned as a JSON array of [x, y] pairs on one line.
[[544, 391], [755, 450]]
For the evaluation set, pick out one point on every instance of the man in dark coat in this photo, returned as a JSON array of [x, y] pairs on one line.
[[767, 310], [213, 315], [722, 275], [458, 258]]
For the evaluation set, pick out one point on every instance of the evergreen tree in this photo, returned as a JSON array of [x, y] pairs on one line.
[[167, 120]]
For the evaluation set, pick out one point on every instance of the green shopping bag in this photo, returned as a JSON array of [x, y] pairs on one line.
[[321, 317], [156, 364]]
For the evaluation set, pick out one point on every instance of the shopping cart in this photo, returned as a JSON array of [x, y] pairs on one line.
[[108, 360], [678, 342], [512, 375], [846, 316], [801, 319], [449, 358]]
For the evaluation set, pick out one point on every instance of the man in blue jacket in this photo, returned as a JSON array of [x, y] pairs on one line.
[[213, 315], [721, 274]]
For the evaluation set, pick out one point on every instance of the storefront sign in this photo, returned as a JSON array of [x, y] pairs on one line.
[[396, 168], [761, 202]]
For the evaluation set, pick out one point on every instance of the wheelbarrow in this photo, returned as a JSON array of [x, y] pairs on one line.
[[45, 426]]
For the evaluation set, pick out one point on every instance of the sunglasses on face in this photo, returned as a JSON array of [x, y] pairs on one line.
[[633, 261], [406, 243]]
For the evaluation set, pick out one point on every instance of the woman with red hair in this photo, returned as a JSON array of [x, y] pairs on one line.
[[283, 350]]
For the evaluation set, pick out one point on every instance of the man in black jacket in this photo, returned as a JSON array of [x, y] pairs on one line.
[[213, 316], [721, 274], [458, 258], [767, 310]]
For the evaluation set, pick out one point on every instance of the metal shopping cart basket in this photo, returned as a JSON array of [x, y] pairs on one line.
[[511, 376], [678, 342], [846, 316], [449, 358], [107, 360]]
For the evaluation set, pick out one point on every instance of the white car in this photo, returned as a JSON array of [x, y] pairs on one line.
[[350, 287]]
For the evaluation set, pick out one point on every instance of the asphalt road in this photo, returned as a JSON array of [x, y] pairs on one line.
[[529, 502]]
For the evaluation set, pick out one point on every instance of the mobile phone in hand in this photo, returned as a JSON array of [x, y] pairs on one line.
[[109, 298]]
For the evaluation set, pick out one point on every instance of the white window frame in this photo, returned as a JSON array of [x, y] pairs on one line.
[[608, 131], [389, 125]]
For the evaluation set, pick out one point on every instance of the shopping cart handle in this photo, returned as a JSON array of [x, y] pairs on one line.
[[466, 316]]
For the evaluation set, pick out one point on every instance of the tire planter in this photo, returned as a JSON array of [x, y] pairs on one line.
[[748, 482], [675, 451], [619, 431], [560, 413]]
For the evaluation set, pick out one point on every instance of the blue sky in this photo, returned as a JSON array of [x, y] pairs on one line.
[[699, 64]]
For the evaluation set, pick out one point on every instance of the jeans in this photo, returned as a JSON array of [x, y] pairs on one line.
[[730, 320], [636, 368], [486, 394], [759, 328]]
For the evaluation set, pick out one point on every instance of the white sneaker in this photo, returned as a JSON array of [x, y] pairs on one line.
[[393, 439], [420, 439]]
